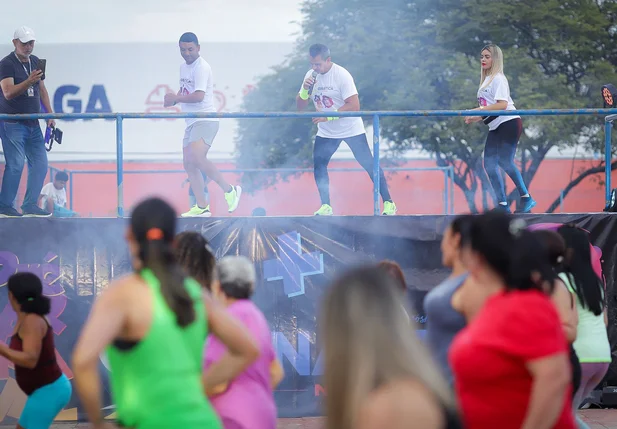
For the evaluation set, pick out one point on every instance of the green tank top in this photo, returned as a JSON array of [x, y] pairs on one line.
[[157, 383]]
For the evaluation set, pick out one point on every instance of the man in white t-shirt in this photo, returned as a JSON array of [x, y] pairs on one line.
[[332, 89], [196, 94], [53, 196]]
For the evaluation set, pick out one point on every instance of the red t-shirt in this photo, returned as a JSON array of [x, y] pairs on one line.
[[488, 359]]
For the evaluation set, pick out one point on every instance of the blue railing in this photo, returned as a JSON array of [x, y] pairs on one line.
[[448, 186], [119, 118]]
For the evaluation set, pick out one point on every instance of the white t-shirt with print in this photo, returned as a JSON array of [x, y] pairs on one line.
[[497, 90], [197, 77], [329, 94], [58, 196]]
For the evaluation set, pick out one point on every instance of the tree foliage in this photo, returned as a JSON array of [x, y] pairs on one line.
[[423, 55]]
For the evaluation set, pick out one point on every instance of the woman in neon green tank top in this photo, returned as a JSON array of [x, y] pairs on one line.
[[153, 325]]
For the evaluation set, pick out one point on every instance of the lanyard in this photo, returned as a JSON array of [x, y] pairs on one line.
[[28, 73]]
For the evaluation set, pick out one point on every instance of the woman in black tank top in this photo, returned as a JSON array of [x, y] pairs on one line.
[[33, 353]]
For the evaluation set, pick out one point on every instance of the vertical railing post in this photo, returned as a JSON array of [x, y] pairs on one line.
[[452, 189], [608, 127], [445, 192], [376, 165], [71, 190], [119, 165]]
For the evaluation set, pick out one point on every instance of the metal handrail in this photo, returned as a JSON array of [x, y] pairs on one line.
[[448, 196], [609, 114], [258, 115]]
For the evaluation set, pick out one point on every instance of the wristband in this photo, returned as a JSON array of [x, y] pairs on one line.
[[304, 94], [332, 118]]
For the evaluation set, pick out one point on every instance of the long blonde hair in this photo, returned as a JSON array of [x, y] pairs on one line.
[[368, 342], [496, 68]]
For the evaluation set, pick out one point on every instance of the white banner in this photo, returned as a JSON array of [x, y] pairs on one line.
[[90, 78]]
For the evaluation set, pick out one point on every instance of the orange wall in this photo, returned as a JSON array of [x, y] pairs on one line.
[[415, 192]]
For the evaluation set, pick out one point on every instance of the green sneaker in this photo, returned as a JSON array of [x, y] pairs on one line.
[[389, 208], [197, 211], [324, 210], [233, 198]]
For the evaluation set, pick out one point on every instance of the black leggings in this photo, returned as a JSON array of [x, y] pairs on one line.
[[576, 371], [499, 151], [322, 153]]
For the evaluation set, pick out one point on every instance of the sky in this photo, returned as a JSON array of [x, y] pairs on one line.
[[133, 21]]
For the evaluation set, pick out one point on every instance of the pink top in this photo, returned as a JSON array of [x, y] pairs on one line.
[[248, 402]]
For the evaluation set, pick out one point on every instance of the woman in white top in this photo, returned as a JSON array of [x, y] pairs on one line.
[[504, 131]]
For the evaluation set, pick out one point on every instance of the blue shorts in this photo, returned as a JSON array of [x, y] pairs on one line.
[[45, 403]]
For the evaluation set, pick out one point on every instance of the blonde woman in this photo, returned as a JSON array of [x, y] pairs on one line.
[[377, 373], [504, 131]]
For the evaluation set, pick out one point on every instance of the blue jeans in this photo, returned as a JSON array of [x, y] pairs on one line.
[[499, 151], [20, 142], [323, 150]]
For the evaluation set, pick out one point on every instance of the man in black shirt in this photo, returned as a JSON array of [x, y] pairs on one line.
[[23, 91]]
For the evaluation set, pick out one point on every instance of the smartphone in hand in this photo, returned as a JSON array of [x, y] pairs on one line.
[[42, 65]]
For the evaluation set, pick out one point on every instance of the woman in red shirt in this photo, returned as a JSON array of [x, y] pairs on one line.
[[510, 363]]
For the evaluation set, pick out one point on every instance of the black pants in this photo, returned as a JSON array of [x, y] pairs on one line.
[[499, 151], [576, 370], [322, 153]]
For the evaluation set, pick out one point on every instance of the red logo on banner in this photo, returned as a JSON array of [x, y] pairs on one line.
[[220, 100], [248, 89], [154, 101]]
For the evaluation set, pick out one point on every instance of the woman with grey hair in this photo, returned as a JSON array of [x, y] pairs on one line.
[[233, 287]]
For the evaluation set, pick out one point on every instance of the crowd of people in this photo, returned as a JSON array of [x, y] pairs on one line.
[[516, 336]]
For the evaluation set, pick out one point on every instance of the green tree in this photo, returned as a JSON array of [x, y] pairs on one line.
[[414, 56], [571, 43], [274, 143], [595, 171]]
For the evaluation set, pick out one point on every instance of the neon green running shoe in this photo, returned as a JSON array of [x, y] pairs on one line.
[[197, 211], [324, 210], [389, 208], [233, 197]]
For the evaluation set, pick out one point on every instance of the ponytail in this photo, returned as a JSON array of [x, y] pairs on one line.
[[40, 305], [587, 285], [27, 290], [156, 254]]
